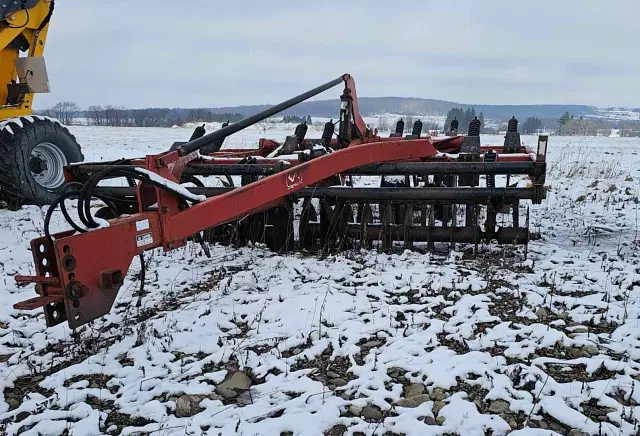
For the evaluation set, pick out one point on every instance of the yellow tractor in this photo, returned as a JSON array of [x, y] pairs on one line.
[[33, 149]]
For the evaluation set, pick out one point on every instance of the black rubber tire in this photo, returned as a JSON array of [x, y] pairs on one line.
[[17, 185]]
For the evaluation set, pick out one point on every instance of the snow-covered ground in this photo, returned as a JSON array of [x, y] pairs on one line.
[[620, 114], [251, 343]]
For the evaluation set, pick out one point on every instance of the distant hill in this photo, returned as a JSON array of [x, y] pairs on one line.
[[371, 106]]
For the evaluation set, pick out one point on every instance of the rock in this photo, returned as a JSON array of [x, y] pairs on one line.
[[498, 406], [577, 433], [478, 404], [603, 323], [542, 313], [580, 330], [557, 427], [414, 401], [584, 353], [574, 353], [338, 382], [355, 410], [372, 344], [22, 416], [440, 420], [406, 402], [372, 413], [413, 389], [565, 315], [244, 398], [438, 394], [402, 378], [189, 405], [229, 394], [296, 351], [513, 425], [400, 316], [437, 406], [592, 350], [239, 381], [543, 424], [331, 374], [429, 420], [395, 372], [422, 398]]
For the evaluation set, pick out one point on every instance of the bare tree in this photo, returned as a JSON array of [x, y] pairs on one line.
[[95, 114], [408, 125], [383, 125], [116, 116], [64, 111]]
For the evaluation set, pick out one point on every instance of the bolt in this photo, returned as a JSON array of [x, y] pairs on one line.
[[165, 209], [76, 291]]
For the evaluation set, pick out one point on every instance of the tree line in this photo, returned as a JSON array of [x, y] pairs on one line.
[[153, 117], [67, 112], [117, 116], [296, 119]]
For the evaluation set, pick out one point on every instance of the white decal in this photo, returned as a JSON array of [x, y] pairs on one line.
[[293, 181], [142, 225]]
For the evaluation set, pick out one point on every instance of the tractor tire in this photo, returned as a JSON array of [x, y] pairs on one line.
[[33, 153]]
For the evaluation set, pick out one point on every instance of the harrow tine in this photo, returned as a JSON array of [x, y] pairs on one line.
[[329, 221], [281, 223], [344, 213], [307, 234], [408, 223], [474, 218], [526, 245], [386, 220], [365, 215], [432, 223]]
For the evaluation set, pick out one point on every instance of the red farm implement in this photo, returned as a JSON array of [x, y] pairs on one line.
[[298, 194]]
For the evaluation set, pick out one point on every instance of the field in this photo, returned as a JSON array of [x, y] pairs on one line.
[[251, 343]]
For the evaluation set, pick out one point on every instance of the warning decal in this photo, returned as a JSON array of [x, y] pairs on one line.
[[144, 239]]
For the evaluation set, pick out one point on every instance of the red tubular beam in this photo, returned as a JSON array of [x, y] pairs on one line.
[[250, 198]]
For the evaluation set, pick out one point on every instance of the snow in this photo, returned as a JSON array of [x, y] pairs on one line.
[[471, 331], [19, 121], [173, 186], [620, 114]]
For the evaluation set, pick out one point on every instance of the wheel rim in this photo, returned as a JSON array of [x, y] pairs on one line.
[[46, 164]]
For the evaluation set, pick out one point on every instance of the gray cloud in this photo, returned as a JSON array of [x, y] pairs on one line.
[[213, 53]]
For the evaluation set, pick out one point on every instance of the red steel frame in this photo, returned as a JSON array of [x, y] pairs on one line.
[[80, 274]]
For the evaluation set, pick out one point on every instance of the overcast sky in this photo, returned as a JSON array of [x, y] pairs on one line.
[[193, 53]]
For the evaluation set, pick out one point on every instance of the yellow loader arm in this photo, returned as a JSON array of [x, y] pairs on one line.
[[23, 34]]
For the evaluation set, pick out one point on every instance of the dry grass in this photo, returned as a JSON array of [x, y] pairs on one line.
[[581, 162]]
